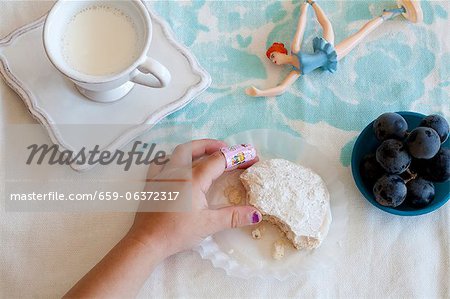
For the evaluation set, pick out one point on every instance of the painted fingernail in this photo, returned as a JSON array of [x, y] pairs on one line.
[[256, 217]]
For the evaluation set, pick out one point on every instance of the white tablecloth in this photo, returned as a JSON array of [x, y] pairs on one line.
[[43, 255]]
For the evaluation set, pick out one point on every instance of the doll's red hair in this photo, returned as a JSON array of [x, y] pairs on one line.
[[276, 47]]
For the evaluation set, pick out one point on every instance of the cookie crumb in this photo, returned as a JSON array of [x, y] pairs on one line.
[[278, 250], [256, 233]]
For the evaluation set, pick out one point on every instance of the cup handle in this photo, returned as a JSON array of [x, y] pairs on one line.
[[151, 73]]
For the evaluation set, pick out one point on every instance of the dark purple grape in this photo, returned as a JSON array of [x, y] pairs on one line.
[[420, 192], [436, 169], [393, 156], [423, 143], [390, 191], [370, 170], [437, 123], [390, 126]]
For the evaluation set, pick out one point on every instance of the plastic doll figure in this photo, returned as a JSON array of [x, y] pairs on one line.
[[325, 55]]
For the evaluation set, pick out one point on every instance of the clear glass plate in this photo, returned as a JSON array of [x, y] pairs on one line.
[[236, 252]]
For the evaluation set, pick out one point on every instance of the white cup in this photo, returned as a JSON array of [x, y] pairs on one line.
[[111, 87]]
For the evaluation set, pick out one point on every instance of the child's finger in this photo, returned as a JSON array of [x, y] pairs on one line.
[[208, 170], [232, 217], [184, 154], [206, 147], [244, 165]]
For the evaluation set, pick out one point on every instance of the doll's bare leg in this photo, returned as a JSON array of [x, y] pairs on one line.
[[327, 28], [348, 44], [298, 37]]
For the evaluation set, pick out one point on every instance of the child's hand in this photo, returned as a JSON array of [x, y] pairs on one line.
[[155, 236], [177, 231]]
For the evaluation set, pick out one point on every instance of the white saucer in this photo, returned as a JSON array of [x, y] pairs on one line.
[[54, 101]]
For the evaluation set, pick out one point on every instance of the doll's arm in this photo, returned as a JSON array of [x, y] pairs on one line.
[[301, 26], [275, 91]]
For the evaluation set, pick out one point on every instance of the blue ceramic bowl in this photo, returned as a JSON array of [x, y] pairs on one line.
[[367, 143]]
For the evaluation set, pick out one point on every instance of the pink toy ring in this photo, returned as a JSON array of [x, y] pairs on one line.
[[238, 154]]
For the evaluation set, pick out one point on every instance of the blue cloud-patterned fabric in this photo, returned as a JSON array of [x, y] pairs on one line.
[[400, 66]]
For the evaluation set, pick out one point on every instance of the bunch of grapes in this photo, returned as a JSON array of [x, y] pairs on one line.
[[406, 164]]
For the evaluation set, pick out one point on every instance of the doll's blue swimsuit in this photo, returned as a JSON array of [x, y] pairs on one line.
[[324, 57]]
